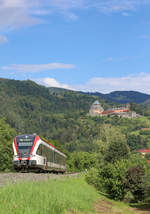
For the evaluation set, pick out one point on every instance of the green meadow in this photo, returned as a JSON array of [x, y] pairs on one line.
[[61, 196], [49, 197]]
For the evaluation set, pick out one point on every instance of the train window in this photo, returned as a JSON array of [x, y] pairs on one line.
[[50, 155], [44, 151], [58, 158], [39, 150], [55, 158]]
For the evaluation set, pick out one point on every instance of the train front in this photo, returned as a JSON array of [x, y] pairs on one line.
[[23, 146]]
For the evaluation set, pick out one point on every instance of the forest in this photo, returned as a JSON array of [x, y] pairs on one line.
[[106, 147]]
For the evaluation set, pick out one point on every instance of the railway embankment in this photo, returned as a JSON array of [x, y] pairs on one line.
[[13, 178]]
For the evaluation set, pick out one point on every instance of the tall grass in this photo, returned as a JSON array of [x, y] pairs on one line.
[[49, 197]]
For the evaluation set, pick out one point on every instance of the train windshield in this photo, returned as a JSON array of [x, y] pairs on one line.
[[24, 144]]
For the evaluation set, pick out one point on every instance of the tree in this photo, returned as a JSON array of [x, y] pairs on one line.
[[117, 150], [6, 138], [134, 182], [81, 161]]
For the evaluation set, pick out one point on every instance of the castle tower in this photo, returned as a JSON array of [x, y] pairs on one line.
[[96, 109]]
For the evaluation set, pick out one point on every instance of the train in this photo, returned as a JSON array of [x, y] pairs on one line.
[[32, 153]]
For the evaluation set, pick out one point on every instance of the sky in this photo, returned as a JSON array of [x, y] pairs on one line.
[[83, 45]]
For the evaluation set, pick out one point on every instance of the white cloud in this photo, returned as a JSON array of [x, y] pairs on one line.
[[103, 5], [18, 13], [119, 5], [140, 82], [36, 67], [50, 82], [3, 39]]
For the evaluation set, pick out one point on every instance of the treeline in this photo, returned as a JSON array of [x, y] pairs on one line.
[[29, 107], [6, 152], [81, 137], [61, 115], [118, 172], [104, 147]]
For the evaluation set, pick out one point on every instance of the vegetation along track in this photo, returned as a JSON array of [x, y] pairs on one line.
[[6, 178]]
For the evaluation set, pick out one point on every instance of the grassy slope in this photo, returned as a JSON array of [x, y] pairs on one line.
[[66, 196], [52, 197]]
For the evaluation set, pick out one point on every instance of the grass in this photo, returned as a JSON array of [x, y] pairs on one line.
[[63, 196], [49, 197]]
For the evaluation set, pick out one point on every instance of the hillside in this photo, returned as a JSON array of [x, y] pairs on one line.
[[60, 115], [31, 108], [122, 97]]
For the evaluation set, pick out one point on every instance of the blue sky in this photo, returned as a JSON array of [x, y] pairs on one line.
[[88, 45]]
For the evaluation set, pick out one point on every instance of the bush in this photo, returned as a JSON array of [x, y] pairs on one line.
[[117, 150], [81, 161], [114, 177], [146, 185], [92, 178], [123, 177], [6, 138], [129, 197], [134, 182]]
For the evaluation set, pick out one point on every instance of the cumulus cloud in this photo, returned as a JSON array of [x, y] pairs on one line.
[[139, 82], [15, 13], [50, 82], [36, 67], [3, 39]]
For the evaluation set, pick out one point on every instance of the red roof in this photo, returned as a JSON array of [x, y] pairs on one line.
[[107, 112], [144, 150], [115, 111], [145, 129]]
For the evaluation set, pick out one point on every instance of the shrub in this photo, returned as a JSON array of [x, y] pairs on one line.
[[81, 161], [117, 150], [114, 176], [6, 138], [145, 183], [123, 177], [134, 182], [92, 178]]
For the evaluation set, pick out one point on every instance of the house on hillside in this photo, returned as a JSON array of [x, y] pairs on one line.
[[97, 110], [145, 152]]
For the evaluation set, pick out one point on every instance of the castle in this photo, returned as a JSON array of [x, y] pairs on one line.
[[97, 110]]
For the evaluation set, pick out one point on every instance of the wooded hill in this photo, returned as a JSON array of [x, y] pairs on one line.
[[123, 97], [105, 146], [61, 114]]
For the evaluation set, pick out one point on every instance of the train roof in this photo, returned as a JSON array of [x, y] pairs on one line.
[[53, 147], [35, 135], [27, 135]]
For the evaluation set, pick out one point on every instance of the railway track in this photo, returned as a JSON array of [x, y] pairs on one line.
[[13, 178]]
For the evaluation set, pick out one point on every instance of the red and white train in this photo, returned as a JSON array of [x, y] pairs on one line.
[[31, 153]]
